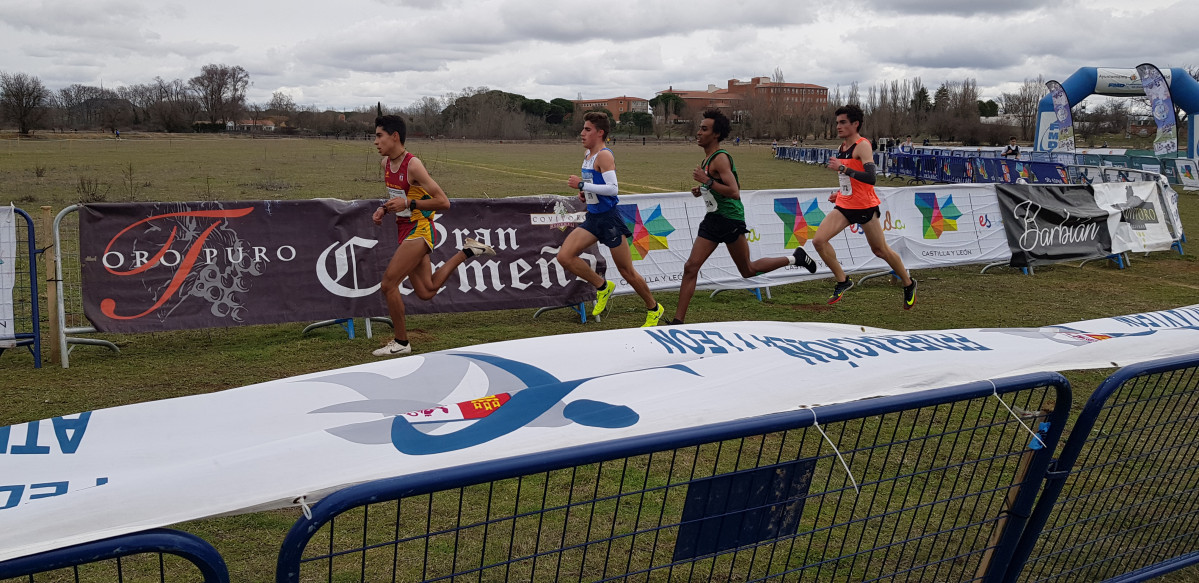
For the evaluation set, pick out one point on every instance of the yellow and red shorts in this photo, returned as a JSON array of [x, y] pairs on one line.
[[416, 230]]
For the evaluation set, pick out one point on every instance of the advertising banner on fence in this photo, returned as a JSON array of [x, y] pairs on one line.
[[102, 473], [8, 275], [1144, 218], [165, 266], [1157, 89], [1188, 173], [1054, 223], [930, 226]]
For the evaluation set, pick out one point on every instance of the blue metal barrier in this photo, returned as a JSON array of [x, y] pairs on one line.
[[934, 487], [119, 559], [25, 307], [1122, 503]]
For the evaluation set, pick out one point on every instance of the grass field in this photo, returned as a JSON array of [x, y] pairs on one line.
[[57, 172]]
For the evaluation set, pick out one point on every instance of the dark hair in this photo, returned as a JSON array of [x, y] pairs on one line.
[[852, 113], [1012, 139], [392, 124], [598, 119], [720, 123]]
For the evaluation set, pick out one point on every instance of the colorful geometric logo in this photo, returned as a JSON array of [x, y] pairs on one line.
[[1187, 171], [800, 220], [937, 218], [648, 234]]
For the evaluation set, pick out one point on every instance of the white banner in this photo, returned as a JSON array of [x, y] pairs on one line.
[[1121, 81], [83, 477], [8, 275], [1188, 173], [1143, 225], [929, 226]]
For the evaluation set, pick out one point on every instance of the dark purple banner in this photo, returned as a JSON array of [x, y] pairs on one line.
[[170, 266]]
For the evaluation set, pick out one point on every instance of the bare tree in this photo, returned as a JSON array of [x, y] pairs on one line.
[[221, 90], [1023, 104], [425, 114], [23, 99], [172, 107]]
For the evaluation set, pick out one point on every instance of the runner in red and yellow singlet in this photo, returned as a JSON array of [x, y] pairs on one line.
[[415, 198]]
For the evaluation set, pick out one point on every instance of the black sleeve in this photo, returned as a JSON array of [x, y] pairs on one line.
[[866, 176]]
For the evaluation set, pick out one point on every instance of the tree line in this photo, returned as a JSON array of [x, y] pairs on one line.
[[953, 112], [217, 95]]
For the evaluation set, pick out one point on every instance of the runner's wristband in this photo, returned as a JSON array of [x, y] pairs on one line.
[[412, 205]]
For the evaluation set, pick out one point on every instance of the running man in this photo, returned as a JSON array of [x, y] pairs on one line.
[[720, 188], [856, 203], [415, 198], [598, 189]]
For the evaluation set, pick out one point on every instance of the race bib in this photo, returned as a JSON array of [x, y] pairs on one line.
[[709, 199], [591, 197], [399, 193], [846, 185]]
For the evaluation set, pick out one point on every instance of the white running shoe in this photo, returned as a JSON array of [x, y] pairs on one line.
[[393, 348], [477, 248]]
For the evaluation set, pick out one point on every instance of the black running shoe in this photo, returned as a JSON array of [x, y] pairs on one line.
[[839, 290], [802, 258], [909, 295]]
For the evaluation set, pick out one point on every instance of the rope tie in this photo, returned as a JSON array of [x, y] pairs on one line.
[[303, 502], [1034, 434], [816, 423]]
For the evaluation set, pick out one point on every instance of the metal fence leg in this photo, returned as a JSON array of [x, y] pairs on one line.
[[346, 324], [579, 308], [878, 274]]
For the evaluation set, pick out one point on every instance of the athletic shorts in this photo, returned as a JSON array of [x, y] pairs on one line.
[[721, 229], [859, 216], [608, 227], [415, 230]]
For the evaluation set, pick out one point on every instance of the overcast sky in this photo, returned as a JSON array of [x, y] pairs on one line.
[[351, 53]]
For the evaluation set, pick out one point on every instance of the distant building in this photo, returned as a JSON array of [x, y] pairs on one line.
[[251, 125], [735, 98], [617, 105]]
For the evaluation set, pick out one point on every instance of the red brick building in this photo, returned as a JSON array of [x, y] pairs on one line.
[[736, 96], [618, 106]]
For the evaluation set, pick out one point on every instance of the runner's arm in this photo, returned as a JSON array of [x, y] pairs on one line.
[[605, 164], [419, 175], [724, 182], [864, 153]]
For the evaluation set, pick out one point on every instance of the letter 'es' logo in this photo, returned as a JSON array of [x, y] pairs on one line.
[[185, 264]]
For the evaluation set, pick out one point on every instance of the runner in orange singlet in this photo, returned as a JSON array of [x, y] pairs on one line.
[[856, 203]]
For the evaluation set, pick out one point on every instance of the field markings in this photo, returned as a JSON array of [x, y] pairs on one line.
[[1154, 279], [542, 174]]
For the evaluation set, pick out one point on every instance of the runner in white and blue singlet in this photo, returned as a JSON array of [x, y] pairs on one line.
[[598, 188]]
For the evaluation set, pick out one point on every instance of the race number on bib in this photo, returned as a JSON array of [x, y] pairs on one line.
[[399, 193], [709, 199], [846, 185]]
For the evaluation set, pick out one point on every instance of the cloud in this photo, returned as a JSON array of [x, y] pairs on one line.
[[954, 8], [398, 51]]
